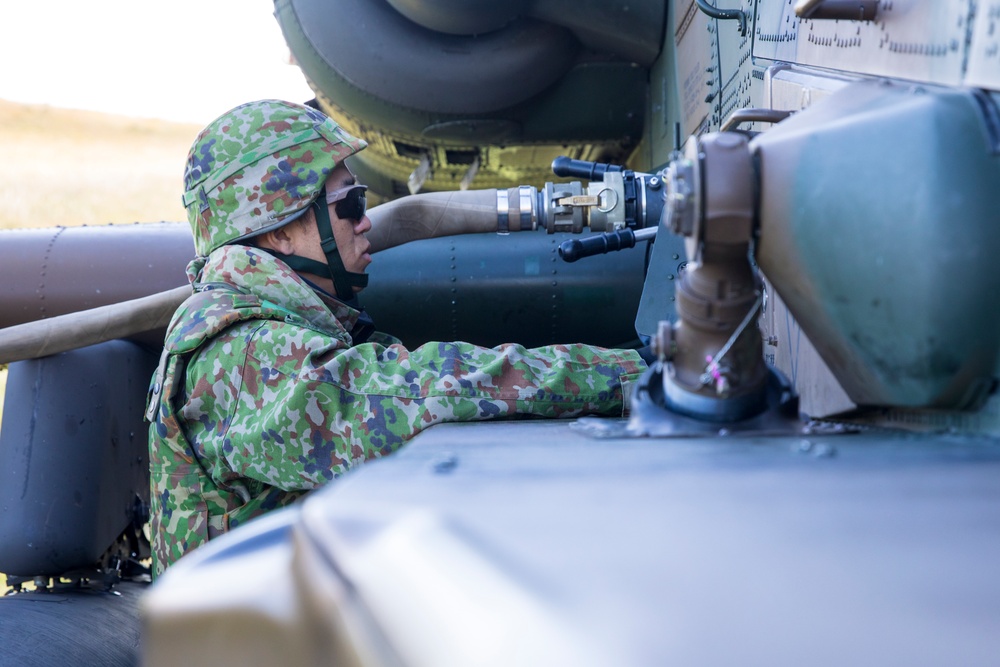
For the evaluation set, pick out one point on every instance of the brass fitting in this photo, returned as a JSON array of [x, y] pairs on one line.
[[717, 370]]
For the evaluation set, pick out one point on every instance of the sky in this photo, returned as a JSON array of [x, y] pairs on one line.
[[180, 60]]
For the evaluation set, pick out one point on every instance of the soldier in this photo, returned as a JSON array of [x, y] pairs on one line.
[[272, 381]]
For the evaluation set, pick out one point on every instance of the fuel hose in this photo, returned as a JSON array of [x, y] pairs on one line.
[[412, 218]]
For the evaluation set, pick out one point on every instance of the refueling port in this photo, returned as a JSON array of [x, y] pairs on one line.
[[710, 366], [717, 371]]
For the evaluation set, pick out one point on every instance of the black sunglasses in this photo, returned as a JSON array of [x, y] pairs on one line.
[[351, 202]]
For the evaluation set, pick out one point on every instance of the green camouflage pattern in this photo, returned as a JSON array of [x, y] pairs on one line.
[[256, 167], [261, 395]]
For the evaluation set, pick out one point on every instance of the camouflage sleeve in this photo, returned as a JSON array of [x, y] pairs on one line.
[[308, 411]]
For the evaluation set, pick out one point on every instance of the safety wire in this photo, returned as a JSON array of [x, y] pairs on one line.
[[713, 372]]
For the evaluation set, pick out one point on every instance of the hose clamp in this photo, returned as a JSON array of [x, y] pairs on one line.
[[503, 212], [524, 207]]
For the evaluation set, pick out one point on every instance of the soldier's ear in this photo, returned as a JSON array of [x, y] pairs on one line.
[[278, 240]]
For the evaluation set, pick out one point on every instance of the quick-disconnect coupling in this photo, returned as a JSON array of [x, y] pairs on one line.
[[613, 199], [561, 207]]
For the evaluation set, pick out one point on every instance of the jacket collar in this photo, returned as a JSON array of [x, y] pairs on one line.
[[255, 272]]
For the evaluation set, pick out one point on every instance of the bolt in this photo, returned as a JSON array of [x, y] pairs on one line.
[[444, 464]]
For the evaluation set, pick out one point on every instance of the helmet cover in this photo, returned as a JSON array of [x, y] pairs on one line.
[[258, 167]]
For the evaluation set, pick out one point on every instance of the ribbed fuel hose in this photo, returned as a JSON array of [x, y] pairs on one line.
[[432, 215], [42, 338], [422, 216]]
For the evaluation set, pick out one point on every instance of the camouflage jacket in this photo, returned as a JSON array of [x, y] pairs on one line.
[[261, 395]]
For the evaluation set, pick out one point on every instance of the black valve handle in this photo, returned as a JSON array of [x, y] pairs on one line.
[[596, 244], [569, 168]]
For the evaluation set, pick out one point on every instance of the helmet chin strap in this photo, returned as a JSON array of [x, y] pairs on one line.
[[344, 281]]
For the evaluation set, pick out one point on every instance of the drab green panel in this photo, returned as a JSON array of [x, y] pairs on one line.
[[886, 201]]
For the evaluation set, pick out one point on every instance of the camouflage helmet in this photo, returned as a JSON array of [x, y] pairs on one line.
[[258, 167]]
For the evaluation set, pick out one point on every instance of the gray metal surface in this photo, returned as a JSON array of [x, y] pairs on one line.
[[73, 456], [841, 225], [492, 289], [71, 628], [863, 549], [52, 271], [485, 289], [911, 40]]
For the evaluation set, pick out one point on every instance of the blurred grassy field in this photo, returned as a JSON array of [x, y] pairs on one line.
[[68, 167]]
